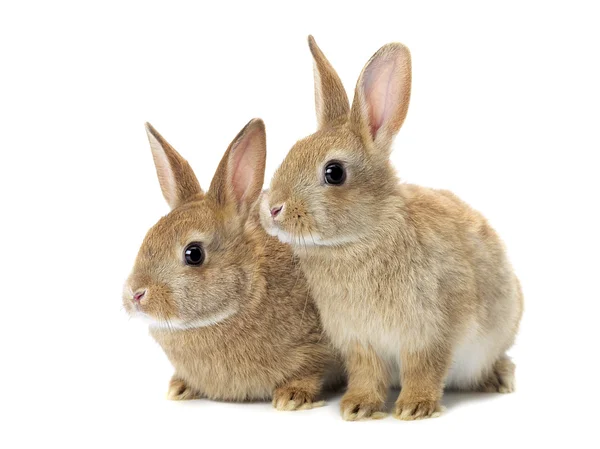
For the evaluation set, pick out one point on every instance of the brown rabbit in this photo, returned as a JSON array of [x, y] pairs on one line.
[[225, 301], [413, 286]]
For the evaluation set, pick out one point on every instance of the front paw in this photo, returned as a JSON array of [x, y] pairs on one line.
[[180, 391], [409, 411], [292, 398], [361, 406]]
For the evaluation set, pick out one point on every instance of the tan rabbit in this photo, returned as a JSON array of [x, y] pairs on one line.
[[413, 286], [225, 301]]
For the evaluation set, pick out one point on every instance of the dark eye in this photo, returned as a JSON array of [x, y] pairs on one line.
[[335, 173], [194, 254]]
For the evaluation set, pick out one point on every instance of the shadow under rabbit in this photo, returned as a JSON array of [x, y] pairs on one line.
[[452, 399]]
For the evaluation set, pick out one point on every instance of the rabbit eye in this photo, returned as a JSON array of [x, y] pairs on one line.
[[335, 173], [194, 254]]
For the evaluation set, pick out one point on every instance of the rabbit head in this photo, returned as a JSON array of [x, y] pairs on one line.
[[195, 264], [330, 188]]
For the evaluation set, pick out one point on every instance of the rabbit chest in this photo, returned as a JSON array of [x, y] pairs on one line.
[[220, 367], [369, 303]]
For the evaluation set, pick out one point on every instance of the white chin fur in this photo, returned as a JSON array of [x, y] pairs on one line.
[[307, 241], [177, 324], [303, 241]]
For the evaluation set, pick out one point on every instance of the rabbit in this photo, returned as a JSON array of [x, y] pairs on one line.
[[225, 301], [413, 286]]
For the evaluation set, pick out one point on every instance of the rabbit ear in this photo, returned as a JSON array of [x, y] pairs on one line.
[[382, 96], [331, 101], [176, 178], [240, 175]]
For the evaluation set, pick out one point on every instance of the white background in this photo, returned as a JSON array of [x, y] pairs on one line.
[[504, 112]]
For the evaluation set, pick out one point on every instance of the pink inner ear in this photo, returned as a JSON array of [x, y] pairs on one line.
[[382, 93], [243, 174], [243, 167]]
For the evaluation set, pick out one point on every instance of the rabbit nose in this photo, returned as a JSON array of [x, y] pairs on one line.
[[139, 295], [276, 210]]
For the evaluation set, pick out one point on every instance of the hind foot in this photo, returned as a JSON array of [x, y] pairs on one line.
[[501, 379], [180, 391], [293, 398], [298, 394]]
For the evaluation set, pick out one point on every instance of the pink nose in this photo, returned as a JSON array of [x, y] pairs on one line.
[[275, 211], [139, 295]]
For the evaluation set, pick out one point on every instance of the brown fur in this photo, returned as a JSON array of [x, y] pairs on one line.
[[413, 286], [261, 336]]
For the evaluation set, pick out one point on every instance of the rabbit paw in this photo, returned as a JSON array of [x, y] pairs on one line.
[[180, 391], [356, 407], [290, 398], [409, 411], [496, 384], [501, 379]]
